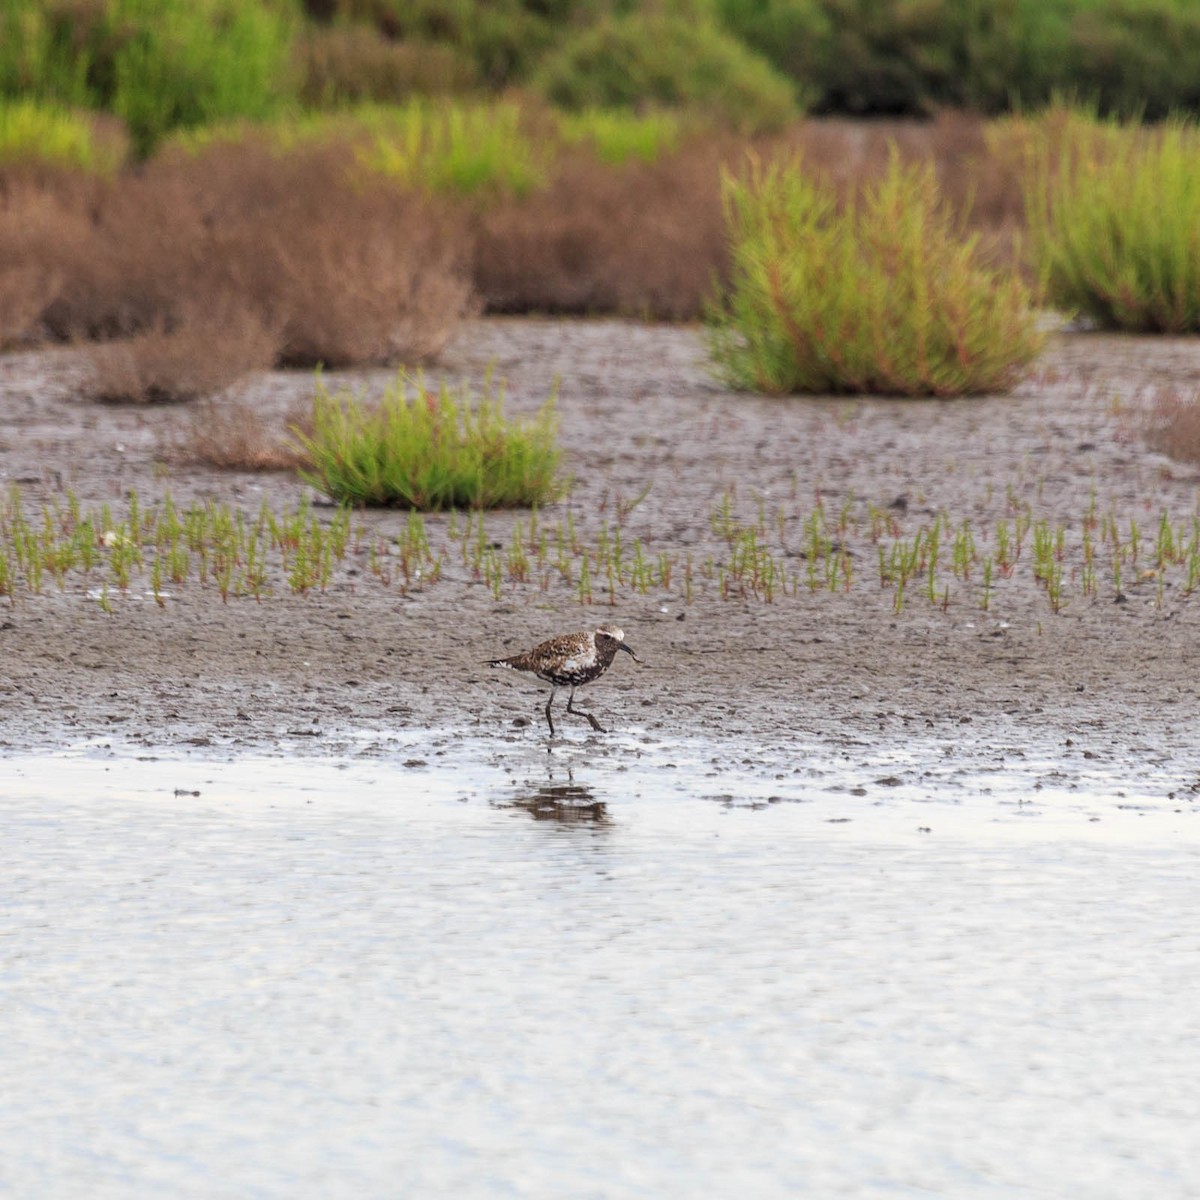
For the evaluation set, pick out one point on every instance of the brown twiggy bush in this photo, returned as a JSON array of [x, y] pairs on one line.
[[350, 269], [341, 268], [24, 292], [1173, 425], [375, 280], [643, 239], [978, 183], [206, 352], [145, 257], [231, 433], [353, 63], [44, 226]]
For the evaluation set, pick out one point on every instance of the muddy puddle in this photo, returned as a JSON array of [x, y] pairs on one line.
[[973, 784], [458, 966]]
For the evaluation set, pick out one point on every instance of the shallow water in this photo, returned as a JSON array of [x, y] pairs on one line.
[[622, 969]]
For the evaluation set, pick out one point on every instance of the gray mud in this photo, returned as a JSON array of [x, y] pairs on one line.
[[758, 689]]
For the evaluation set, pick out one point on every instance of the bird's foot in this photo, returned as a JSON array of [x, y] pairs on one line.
[[579, 712]]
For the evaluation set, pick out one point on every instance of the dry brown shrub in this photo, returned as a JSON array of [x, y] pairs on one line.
[[979, 183], [146, 253], [205, 353], [232, 434], [1173, 425], [350, 269], [369, 275], [44, 225], [346, 270], [976, 177], [24, 292], [645, 239], [353, 63]]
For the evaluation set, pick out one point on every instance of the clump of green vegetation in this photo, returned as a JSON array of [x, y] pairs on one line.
[[452, 147], [669, 60], [617, 136], [158, 64], [1114, 212], [438, 147], [886, 295], [43, 134], [430, 450], [897, 56]]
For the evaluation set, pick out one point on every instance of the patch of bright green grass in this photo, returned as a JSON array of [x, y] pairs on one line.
[[32, 133], [616, 135], [429, 450], [439, 147], [886, 295], [1114, 212], [453, 147]]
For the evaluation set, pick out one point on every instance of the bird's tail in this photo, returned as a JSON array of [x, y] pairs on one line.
[[498, 662]]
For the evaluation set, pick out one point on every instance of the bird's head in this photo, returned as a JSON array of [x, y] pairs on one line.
[[613, 635]]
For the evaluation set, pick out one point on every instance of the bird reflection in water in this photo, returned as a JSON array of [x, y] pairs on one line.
[[567, 803]]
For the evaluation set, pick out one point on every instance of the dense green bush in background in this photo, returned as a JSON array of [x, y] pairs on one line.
[[902, 56], [164, 64], [158, 64], [503, 38], [352, 64], [667, 61]]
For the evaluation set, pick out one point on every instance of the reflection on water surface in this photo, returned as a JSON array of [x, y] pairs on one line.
[[289, 976], [555, 801]]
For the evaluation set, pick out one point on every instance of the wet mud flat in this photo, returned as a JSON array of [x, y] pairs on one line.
[[646, 431]]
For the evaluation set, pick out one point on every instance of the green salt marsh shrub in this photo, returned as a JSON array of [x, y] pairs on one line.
[[429, 449], [884, 295], [1114, 217]]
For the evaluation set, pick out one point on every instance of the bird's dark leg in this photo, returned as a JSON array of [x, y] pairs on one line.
[[549, 718], [580, 713]]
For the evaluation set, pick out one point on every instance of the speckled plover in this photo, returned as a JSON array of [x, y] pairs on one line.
[[570, 660]]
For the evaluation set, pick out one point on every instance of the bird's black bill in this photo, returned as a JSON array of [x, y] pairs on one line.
[[629, 651]]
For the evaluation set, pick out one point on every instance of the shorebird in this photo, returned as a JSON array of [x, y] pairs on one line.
[[570, 660]]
